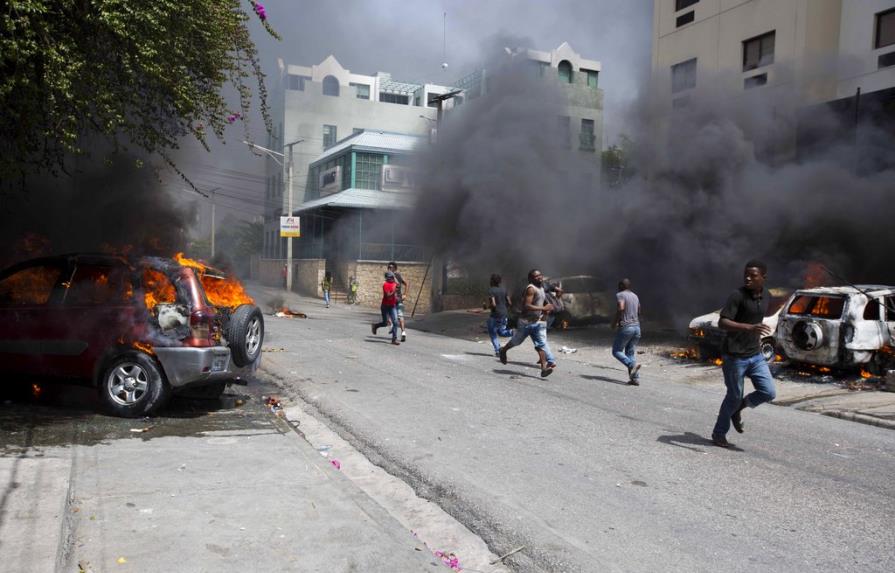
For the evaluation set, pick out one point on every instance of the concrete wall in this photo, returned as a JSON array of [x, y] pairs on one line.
[[308, 276], [859, 61], [270, 272], [370, 277]]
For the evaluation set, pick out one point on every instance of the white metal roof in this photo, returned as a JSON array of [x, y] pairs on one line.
[[384, 141], [362, 199], [870, 289]]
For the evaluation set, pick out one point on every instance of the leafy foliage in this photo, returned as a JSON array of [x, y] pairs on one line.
[[135, 72]]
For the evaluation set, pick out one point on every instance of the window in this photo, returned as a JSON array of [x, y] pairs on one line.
[[362, 91], [755, 81], [329, 136], [817, 306], [565, 72], [758, 52], [685, 19], [394, 98], [29, 286], [587, 136], [886, 60], [330, 86], [592, 76], [871, 311], [96, 285], [683, 76], [296, 83], [680, 102], [890, 308], [682, 4], [369, 171], [885, 29], [356, 130], [433, 102]]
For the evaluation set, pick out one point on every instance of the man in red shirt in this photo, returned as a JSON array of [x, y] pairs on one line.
[[389, 307]]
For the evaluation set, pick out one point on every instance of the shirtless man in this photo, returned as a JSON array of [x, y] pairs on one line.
[[533, 323]]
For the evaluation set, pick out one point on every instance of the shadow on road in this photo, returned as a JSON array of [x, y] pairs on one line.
[[689, 440], [604, 379], [514, 374]]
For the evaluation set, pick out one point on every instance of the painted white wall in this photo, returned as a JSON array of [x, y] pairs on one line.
[[858, 62]]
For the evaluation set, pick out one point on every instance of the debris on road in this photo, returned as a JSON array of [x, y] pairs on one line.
[[141, 430], [567, 350], [336, 464], [449, 559], [286, 312], [278, 349], [505, 555], [273, 404]]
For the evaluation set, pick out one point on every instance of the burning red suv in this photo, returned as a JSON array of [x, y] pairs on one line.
[[139, 329]]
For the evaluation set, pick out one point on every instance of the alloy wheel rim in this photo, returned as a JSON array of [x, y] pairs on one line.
[[127, 383], [253, 337]]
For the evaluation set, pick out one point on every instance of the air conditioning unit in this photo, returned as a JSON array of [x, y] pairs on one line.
[[397, 178]]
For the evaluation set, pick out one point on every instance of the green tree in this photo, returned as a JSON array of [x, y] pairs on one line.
[[140, 73], [617, 162]]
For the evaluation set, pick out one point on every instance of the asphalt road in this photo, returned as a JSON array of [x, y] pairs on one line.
[[588, 473]]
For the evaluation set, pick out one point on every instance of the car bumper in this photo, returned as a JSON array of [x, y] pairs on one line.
[[185, 366]]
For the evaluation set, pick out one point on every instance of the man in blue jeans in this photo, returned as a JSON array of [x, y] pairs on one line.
[[498, 301], [742, 317], [627, 321], [533, 323]]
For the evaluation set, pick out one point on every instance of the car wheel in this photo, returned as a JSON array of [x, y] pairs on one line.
[[132, 385], [246, 334], [769, 350]]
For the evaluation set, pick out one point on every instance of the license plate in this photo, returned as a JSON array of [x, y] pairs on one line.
[[219, 364]]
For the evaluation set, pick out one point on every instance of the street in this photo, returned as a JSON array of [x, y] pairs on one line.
[[588, 473]]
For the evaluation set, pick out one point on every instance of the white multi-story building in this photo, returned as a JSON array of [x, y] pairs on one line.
[[820, 50], [322, 104]]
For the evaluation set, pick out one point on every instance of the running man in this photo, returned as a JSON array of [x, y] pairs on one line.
[[403, 288], [533, 323], [388, 308], [742, 318], [498, 301], [627, 323]]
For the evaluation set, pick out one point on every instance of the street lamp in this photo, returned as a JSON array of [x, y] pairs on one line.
[[273, 155]]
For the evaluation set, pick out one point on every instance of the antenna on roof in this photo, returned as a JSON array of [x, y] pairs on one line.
[[444, 64]]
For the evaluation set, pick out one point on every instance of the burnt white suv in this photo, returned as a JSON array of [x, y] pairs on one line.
[[840, 327]]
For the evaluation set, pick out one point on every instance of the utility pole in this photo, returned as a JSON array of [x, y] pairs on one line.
[[273, 155], [212, 224]]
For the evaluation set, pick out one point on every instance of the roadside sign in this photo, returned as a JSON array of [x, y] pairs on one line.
[[290, 226]]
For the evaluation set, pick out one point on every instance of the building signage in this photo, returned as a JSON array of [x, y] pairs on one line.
[[397, 178], [330, 181], [290, 226]]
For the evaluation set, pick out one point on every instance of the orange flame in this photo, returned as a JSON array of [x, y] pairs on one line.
[[865, 374], [227, 291], [717, 362], [158, 289], [144, 347], [36, 390]]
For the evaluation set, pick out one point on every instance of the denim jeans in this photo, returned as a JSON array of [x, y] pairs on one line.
[[497, 326], [326, 296], [736, 369], [537, 331], [624, 348], [389, 313]]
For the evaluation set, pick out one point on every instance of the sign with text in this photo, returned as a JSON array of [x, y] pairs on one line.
[[290, 226]]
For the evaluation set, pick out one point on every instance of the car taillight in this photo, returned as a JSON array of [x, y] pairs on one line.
[[202, 328]]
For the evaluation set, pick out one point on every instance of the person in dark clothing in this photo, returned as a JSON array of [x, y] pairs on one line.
[[498, 301], [742, 317], [389, 307]]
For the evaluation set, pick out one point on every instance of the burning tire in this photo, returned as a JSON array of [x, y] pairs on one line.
[[245, 334], [132, 385]]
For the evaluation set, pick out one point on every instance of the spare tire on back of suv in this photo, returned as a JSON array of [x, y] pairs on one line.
[[245, 334]]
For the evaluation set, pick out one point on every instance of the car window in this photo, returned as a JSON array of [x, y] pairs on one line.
[[157, 288], [29, 286], [872, 310], [97, 285], [890, 308], [817, 306]]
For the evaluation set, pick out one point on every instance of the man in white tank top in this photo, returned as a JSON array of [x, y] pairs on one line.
[[533, 323]]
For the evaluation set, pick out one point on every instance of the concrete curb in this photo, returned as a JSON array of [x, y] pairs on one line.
[[862, 418]]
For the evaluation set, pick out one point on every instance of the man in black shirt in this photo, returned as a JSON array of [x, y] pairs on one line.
[[742, 318], [498, 300]]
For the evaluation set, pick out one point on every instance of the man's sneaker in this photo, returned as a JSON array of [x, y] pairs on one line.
[[545, 372], [737, 418], [634, 382], [395, 342], [502, 355], [632, 373], [403, 336], [720, 441], [374, 327]]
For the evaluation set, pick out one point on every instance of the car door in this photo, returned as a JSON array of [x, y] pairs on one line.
[[97, 312], [29, 297], [867, 330], [890, 322]]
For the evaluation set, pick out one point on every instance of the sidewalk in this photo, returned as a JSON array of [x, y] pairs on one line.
[[251, 498]]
